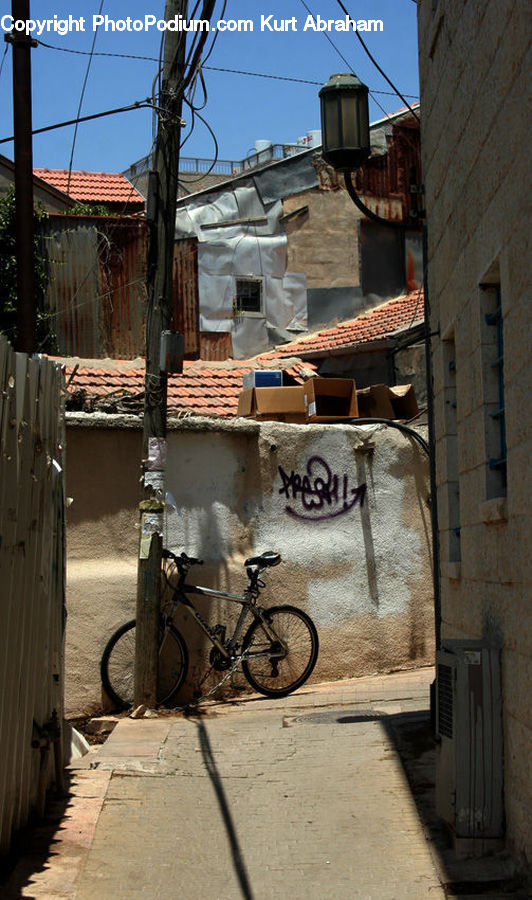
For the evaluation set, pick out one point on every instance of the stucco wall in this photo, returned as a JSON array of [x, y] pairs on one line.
[[474, 67], [323, 242], [361, 571], [103, 470]]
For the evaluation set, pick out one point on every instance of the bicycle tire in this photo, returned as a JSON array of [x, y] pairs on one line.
[[117, 666], [279, 677]]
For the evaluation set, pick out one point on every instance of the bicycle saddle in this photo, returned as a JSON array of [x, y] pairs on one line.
[[264, 560]]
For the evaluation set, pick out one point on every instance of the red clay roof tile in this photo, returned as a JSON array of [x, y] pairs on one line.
[[376, 324], [214, 389], [93, 187], [211, 391]]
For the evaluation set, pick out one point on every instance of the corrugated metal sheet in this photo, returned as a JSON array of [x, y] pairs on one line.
[[97, 292], [185, 295], [216, 346], [390, 175]]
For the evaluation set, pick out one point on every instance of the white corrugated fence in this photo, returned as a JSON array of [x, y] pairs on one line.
[[31, 584]]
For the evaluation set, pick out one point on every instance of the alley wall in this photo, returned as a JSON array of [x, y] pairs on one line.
[[346, 507], [474, 78]]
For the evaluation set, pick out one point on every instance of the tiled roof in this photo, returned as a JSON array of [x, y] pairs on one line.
[[93, 187], [204, 389], [376, 324]]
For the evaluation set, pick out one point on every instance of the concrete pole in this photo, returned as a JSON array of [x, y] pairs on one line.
[[159, 313]]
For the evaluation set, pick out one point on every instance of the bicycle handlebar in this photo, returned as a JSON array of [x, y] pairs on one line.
[[182, 560]]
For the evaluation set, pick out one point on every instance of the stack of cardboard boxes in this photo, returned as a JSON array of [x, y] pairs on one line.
[[321, 399]]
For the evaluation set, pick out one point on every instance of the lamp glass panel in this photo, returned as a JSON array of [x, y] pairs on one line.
[[351, 123], [363, 121], [331, 122]]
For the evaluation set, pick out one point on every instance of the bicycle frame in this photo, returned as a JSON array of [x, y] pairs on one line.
[[245, 600]]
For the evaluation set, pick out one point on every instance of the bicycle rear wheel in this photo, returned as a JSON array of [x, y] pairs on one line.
[[277, 675], [117, 667]]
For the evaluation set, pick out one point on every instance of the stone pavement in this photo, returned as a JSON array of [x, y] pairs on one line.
[[304, 797]]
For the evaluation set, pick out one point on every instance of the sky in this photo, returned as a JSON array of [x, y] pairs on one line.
[[240, 108]]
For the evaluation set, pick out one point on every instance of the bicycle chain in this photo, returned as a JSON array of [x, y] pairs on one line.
[[194, 703]]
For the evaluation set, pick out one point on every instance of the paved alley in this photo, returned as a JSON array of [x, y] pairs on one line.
[[303, 798]]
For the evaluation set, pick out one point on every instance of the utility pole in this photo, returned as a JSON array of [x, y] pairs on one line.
[[24, 236], [161, 215]]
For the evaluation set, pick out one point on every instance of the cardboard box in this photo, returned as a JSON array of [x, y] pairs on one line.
[[330, 399], [382, 402], [404, 401], [374, 402], [275, 404], [263, 378]]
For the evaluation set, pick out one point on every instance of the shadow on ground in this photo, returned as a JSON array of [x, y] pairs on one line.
[[33, 846], [411, 734]]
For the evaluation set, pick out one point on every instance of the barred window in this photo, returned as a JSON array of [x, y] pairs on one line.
[[493, 388], [249, 294]]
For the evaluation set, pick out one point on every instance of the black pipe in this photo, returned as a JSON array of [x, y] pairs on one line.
[[365, 209], [399, 426]]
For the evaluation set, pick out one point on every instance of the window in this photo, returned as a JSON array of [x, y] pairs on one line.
[[492, 345], [248, 295], [451, 448]]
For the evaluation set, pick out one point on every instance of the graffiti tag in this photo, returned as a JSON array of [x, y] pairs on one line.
[[322, 494]]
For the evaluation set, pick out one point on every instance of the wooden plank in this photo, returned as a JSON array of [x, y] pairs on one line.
[[31, 573], [8, 687]]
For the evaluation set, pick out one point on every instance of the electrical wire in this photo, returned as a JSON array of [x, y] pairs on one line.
[[194, 55], [266, 75], [377, 66], [215, 141], [82, 95], [139, 104], [3, 59], [215, 38], [348, 64]]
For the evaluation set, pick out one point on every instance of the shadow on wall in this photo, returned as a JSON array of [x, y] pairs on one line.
[[364, 469], [420, 624]]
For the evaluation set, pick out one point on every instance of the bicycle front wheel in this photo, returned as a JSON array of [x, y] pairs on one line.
[[276, 667], [118, 665]]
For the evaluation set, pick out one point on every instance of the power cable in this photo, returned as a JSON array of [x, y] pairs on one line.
[[82, 95], [215, 141], [194, 56], [342, 57], [331, 42], [266, 75], [375, 63], [3, 59], [139, 104]]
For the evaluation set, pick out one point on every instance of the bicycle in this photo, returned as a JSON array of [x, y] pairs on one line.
[[277, 653]]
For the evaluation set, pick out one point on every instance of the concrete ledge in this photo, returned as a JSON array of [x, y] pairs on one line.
[[494, 511], [451, 570]]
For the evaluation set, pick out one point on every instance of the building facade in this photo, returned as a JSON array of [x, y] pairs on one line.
[[282, 249], [474, 58]]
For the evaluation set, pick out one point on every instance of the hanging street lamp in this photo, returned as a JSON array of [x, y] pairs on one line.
[[345, 133], [345, 122]]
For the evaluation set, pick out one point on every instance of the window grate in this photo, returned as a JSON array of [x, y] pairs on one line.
[[445, 700], [494, 319]]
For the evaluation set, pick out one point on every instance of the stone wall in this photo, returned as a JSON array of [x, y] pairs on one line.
[[361, 570], [475, 135]]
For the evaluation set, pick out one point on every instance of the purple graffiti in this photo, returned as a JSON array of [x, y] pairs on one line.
[[322, 494]]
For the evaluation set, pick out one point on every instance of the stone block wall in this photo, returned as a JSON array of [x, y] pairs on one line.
[[475, 72]]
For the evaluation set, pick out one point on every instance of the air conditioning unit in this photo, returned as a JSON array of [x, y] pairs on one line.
[[469, 769]]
